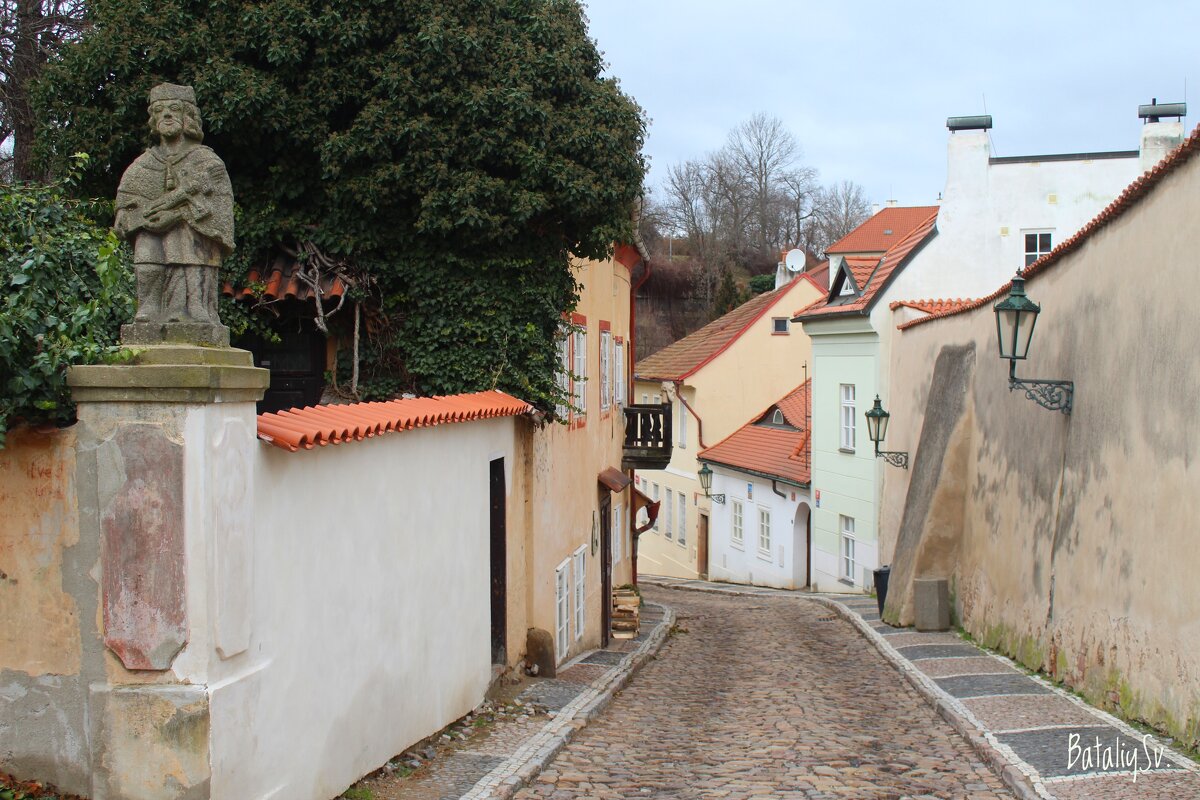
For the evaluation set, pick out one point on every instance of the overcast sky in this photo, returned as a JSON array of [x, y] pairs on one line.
[[866, 86]]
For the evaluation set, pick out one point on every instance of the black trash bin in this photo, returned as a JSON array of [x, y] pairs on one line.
[[881, 583]]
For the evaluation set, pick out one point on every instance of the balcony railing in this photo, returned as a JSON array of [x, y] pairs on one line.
[[647, 436]]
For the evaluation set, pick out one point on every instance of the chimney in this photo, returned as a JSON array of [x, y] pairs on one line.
[[967, 156], [782, 275], [1160, 138]]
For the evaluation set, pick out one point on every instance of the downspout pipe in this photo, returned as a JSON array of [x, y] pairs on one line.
[[699, 422], [775, 489], [629, 362]]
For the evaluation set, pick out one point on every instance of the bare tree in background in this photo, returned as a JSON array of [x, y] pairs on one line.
[[765, 154], [31, 32], [840, 208]]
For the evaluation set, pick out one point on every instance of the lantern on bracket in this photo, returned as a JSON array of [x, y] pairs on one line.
[[877, 424], [1016, 316]]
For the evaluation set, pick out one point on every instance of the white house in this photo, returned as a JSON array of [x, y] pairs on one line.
[[997, 215], [760, 530]]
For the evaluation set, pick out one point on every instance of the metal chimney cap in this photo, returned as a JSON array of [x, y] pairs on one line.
[[981, 122], [1155, 109]]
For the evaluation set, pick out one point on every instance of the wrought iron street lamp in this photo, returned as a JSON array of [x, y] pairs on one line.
[[706, 474], [1016, 316], [877, 423]]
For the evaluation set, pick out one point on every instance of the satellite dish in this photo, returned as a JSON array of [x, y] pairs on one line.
[[794, 260]]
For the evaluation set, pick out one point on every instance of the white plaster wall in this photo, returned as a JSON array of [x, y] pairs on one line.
[[745, 563], [370, 608]]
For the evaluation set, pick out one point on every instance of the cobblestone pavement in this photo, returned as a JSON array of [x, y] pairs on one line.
[[1047, 743], [765, 697]]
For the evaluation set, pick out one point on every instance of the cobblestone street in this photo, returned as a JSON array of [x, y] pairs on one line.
[[760, 697]]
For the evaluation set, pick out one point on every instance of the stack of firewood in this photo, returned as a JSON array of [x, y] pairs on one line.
[[625, 613]]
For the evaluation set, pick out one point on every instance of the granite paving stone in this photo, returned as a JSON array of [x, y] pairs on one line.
[[1078, 750], [938, 651], [906, 638], [604, 657], [765, 703], [979, 665], [1151, 786], [584, 672], [551, 693], [963, 686], [1014, 713]]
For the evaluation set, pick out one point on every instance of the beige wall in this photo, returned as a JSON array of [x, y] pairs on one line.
[[563, 467], [755, 371], [1070, 540]]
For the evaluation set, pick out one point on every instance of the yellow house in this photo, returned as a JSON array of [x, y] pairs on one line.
[[715, 378], [569, 541]]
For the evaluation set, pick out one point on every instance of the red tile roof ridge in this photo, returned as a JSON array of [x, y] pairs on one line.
[[677, 360], [932, 305], [1128, 198], [306, 428]]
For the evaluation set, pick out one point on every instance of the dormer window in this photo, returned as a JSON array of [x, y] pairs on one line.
[[777, 417], [846, 288]]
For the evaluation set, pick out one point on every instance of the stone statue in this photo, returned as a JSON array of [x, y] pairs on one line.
[[175, 204]]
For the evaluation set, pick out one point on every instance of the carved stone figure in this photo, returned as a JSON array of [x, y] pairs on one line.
[[175, 204]]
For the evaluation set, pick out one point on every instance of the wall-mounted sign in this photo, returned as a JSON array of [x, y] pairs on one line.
[[749, 491], [817, 497]]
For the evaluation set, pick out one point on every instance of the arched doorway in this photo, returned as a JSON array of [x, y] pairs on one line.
[[801, 541]]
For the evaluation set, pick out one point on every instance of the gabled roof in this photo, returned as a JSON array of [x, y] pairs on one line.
[[322, 425], [1128, 199], [771, 452], [683, 358], [871, 283], [882, 230]]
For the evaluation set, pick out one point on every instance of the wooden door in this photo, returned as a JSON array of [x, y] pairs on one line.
[[499, 562], [702, 547], [605, 567]]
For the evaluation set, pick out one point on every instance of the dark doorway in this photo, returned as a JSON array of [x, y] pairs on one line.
[[499, 559], [296, 362], [605, 566], [702, 547]]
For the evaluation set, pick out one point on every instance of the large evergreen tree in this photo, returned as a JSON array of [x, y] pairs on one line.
[[453, 151]]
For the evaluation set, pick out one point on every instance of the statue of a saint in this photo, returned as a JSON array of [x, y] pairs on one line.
[[175, 204]]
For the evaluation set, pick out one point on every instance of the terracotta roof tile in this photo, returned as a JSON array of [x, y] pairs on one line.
[[933, 306], [892, 262], [1129, 198], [775, 452], [321, 425], [681, 359], [280, 281], [882, 230], [861, 268]]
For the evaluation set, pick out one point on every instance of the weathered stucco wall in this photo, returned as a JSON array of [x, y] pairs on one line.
[[49, 645], [1076, 551]]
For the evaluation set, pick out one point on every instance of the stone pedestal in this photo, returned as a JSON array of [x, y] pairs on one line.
[[165, 483], [931, 604], [136, 334]]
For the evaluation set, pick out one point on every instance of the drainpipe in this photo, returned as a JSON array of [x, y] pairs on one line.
[[699, 422], [633, 290], [775, 489]]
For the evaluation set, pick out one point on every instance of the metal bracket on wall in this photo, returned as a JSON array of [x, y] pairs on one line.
[[894, 457], [1053, 395]]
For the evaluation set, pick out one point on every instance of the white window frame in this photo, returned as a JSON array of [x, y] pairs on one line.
[[785, 330], [619, 368], [764, 531], [579, 562], [847, 547], [618, 533], [1037, 251], [656, 493], [681, 521], [580, 370], [562, 612], [848, 431], [681, 439], [605, 370], [562, 410], [738, 524], [668, 502], [645, 398]]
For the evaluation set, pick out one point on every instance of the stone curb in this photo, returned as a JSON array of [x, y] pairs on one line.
[[1022, 785], [540, 749]]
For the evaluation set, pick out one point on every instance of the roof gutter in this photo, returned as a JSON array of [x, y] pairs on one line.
[[772, 478]]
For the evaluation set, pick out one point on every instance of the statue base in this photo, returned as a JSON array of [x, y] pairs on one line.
[[172, 374], [204, 334]]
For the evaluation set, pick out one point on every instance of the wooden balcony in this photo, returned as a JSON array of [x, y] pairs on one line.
[[647, 436]]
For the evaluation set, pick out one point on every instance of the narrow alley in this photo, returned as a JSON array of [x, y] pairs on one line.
[[756, 697]]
